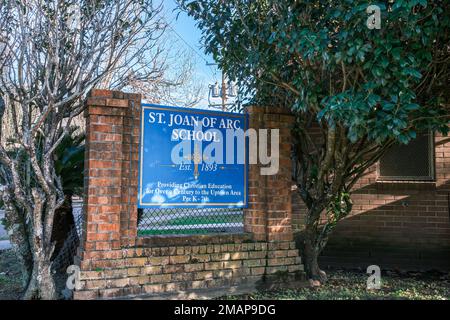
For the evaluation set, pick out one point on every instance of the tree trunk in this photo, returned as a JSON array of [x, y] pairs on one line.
[[41, 285], [311, 253], [16, 227]]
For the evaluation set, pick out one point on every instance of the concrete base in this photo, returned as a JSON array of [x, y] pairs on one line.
[[187, 271], [214, 293]]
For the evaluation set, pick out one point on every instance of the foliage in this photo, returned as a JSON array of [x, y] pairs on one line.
[[321, 56], [69, 162], [359, 89]]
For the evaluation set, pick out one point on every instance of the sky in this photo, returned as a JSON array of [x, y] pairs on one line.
[[183, 26]]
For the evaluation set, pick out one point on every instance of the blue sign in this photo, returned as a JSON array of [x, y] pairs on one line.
[[192, 158]]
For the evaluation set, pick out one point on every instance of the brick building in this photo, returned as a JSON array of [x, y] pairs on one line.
[[401, 212]]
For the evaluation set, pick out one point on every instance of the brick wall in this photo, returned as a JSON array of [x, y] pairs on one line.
[[111, 162], [269, 213], [402, 225], [115, 262], [189, 271]]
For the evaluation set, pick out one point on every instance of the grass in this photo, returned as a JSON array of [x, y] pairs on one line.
[[351, 285], [190, 223], [150, 232], [231, 218]]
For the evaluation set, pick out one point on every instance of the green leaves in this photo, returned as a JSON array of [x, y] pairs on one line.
[[396, 53], [320, 58], [412, 72], [69, 162]]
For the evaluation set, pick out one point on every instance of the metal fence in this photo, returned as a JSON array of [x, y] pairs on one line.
[[69, 249], [189, 221]]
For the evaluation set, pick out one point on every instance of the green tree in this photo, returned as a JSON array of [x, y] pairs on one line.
[[362, 89]]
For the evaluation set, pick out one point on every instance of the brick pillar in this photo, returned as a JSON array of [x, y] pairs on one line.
[[111, 169], [130, 170], [268, 216]]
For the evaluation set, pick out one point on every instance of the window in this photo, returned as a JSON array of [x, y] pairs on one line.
[[414, 161]]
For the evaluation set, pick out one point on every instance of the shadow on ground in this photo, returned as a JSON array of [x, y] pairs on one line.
[[352, 284]]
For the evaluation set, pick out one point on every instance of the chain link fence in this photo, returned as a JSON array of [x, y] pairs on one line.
[[190, 221], [69, 249]]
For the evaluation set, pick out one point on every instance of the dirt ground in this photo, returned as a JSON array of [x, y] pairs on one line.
[[342, 285], [352, 285]]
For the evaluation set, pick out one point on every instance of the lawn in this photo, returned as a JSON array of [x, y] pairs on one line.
[[185, 221], [150, 232], [351, 285], [193, 224]]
